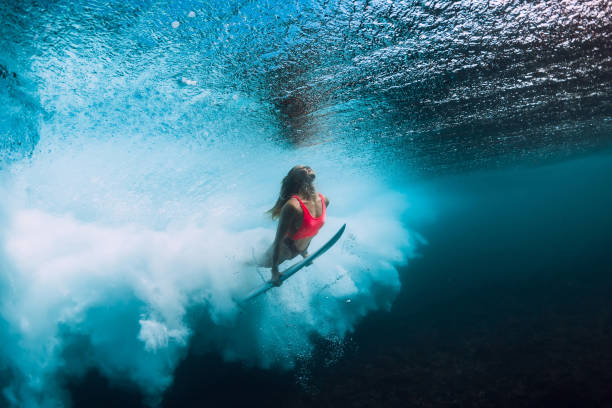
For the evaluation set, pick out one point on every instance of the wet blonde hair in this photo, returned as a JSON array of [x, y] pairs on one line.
[[298, 180]]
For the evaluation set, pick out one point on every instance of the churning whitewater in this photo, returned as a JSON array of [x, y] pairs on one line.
[[111, 246], [141, 144]]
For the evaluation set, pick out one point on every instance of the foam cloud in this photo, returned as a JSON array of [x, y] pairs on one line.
[[109, 266]]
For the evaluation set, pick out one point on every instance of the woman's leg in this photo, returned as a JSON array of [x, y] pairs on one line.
[[286, 253]]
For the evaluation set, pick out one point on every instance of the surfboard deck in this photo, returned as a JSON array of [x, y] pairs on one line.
[[287, 273]]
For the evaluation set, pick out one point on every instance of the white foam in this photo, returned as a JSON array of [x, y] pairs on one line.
[[120, 241]]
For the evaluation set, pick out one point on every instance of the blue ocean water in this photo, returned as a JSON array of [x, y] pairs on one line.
[[142, 142]]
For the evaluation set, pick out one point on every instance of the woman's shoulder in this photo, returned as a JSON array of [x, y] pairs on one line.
[[292, 204]]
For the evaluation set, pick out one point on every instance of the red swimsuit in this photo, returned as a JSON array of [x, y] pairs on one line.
[[310, 225]]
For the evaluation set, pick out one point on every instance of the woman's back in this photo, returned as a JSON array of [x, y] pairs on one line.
[[311, 216]]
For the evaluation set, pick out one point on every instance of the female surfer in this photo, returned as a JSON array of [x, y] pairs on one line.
[[301, 213]]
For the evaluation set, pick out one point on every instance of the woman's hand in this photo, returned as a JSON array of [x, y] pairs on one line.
[[276, 275]]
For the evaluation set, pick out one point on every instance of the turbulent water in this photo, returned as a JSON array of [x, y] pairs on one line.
[[142, 142]]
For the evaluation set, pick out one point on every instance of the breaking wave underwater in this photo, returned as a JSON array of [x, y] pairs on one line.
[[130, 225], [119, 251], [143, 142]]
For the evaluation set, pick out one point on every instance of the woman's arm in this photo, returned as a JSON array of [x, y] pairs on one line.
[[286, 220]]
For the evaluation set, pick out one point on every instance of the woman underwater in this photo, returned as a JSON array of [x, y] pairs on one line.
[[301, 214]]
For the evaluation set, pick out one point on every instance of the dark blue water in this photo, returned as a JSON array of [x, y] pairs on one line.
[[466, 146]]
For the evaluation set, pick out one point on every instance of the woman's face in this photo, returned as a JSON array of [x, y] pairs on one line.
[[307, 170]]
